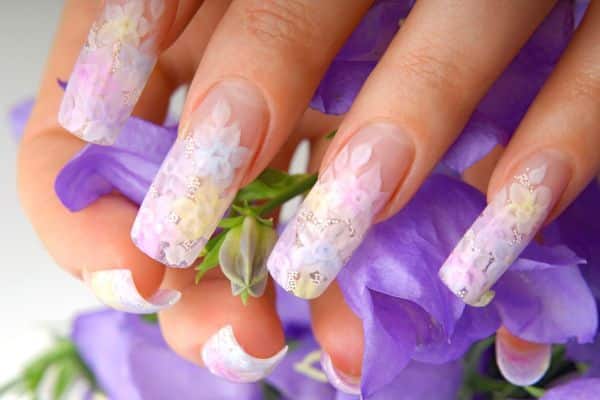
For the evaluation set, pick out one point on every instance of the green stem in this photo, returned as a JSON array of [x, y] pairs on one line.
[[301, 186], [10, 385]]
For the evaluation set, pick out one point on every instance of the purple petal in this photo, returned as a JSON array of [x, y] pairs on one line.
[[128, 166], [294, 385], [578, 389], [355, 61], [391, 283], [18, 116], [131, 361], [550, 305], [425, 381]]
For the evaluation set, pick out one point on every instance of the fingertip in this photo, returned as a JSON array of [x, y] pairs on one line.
[[339, 331], [212, 328]]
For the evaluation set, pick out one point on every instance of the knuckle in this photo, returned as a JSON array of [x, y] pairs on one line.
[[283, 25], [435, 67], [586, 83], [429, 70]]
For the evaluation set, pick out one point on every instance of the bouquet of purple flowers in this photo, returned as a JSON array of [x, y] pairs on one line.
[[540, 328]]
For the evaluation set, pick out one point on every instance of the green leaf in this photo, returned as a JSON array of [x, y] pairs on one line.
[[149, 318], [228, 223], [331, 134], [270, 392], [534, 391], [268, 185], [67, 373], [211, 259], [244, 297]]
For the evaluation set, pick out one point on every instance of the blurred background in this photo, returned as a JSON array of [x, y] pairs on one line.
[[37, 298]]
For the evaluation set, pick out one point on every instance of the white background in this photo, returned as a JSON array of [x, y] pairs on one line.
[[35, 295]]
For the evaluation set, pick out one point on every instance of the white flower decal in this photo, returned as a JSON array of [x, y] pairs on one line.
[[216, 147], [125, 23]]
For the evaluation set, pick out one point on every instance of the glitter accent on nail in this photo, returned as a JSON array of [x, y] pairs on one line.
[[330, 223], [497, 237]]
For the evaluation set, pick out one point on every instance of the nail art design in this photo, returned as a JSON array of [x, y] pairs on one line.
[[330, 224], [339, 380], [112, 70], [192, 189], [498, 236], [116, 289], [521, 362], [224, 357]]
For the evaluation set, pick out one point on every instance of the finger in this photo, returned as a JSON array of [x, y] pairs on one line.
[[96, 238], [238, 114], [339, 332], [116, 61], [398, 128], [550, 159], [210, 327]]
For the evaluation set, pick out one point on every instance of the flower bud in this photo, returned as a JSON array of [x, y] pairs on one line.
[[243, 255]]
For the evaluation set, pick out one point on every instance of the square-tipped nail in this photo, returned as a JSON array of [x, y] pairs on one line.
[[112, 70], [338, 211], [224, 357], [201, 174], [116, 289], [504, 229]]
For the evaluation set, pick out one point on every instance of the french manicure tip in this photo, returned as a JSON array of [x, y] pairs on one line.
[[116, 289], [224, 357], [339, 380]]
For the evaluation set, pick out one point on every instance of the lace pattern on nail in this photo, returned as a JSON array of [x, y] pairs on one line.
[[112, 69], [330, 223], [498, 236], [190, 191]]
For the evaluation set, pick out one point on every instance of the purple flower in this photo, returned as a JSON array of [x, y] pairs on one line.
[[391, 283], [128, 166], [579, 389], [131, 361]]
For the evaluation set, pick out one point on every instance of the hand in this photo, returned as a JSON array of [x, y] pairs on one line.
[[253, 78]]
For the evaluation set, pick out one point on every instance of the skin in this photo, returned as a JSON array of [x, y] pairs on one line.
[[284, 48]]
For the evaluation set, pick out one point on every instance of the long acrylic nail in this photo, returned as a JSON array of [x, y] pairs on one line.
[[116, 289], [521, 362], [338, 211], [505, 228], [201, 174], [112, 69], [339, 380], [224, 357]]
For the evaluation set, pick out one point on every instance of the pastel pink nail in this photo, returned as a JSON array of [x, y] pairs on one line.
[[339, 210], [339, 380], [521, 362], [505, 228], [224, 357], [201, 174], [112, 69]]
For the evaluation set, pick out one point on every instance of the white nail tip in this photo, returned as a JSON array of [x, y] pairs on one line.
[[224, 357], [116, 289], [340, 381], [520, 362]]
